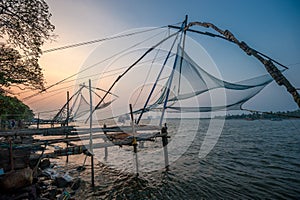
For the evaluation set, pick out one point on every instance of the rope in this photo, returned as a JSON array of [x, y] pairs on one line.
[[62, 89], [130, 67], [158, 77], [265, 60], [90, 67], [99, 40], [147, 77]]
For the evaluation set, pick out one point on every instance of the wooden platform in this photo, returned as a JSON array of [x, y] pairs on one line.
[[17, 155]]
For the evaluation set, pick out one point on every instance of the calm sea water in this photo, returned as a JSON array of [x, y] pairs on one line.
[[251, 160]]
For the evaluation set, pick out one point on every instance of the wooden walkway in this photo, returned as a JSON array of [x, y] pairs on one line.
[[16, 148]]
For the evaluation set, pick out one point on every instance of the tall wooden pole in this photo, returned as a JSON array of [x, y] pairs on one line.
[[91, 133], [67, 122], [172, 75], [164, 138], [134, 142], [164, 129], [38, 122], [105, 148]]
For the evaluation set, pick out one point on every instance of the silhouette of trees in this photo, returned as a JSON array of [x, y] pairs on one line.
[[265, 115], [19, 72], [19, 111], [24, 27]]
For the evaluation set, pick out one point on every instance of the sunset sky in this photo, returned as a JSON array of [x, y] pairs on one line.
[[270, 26]]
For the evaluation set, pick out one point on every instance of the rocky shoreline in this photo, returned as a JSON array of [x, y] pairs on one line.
[[50, 181]]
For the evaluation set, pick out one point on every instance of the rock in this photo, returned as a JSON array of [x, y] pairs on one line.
[[21, 196], [64, 196], [43, 186], [39, 172], [32, 192], [28, 192], [61, 182], [51, 193], [50, 173], [33, 161], [76, 184], [67, 177], [81, 168], [44, 164], [17, 179]]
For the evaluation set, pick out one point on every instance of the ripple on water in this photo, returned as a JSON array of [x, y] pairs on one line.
[[252, 160]]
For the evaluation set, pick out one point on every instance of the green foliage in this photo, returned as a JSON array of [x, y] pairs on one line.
[[12, 108]]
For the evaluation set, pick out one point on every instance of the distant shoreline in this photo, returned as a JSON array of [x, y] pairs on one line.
[[264, 115]]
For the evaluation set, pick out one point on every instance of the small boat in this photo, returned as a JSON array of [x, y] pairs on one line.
[[123, 138], [119, 138]]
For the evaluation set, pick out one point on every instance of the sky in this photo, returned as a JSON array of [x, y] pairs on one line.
[[270, 26]]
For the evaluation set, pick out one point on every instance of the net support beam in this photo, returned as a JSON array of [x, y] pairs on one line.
[[264, 59]]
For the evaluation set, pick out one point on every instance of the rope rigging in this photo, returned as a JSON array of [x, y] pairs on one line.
[[109, 74], [99, 40], [180, 60], [147, 77], [130, 67], [94, 65], [265, 60]]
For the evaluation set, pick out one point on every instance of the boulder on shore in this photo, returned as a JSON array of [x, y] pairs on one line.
[[16, 179]]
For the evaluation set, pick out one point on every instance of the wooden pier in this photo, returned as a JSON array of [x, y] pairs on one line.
[[19, 143]]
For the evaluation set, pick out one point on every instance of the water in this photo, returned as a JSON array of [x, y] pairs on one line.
[[251, 160]]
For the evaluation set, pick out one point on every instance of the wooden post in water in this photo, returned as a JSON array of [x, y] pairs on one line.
[[134, 142], [91, 133], [105, 148], [11, 155], [38, 122], [164, 138], [67, 123]]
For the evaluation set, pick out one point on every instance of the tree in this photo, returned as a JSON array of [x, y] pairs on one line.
[[16, 71], [24, 26], [20, 111]]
